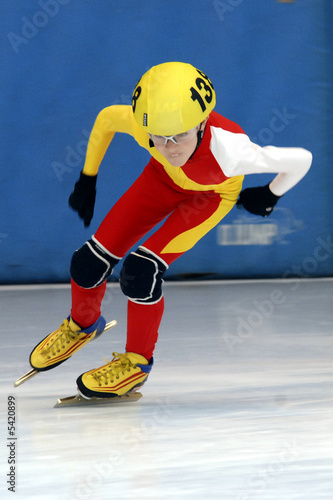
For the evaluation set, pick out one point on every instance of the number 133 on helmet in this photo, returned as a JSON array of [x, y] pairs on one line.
[[172, 98]]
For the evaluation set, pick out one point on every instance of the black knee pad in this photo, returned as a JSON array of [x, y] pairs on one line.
[[141, 276], [91, 265]]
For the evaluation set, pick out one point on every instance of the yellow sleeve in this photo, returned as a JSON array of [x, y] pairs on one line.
[[118, 118]]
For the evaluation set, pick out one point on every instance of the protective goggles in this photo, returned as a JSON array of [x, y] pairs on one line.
[[162, 140]]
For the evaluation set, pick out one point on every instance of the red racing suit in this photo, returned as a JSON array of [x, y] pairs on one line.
[[191, 200]]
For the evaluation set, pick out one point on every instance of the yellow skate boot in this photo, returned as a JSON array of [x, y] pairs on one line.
[[63, 343], [124, 374]]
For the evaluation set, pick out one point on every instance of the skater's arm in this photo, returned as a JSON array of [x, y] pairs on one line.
[[109, 121], [290, 164], [237, 155]]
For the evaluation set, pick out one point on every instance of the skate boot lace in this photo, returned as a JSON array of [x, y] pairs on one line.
[[65, 336], [119, 365]]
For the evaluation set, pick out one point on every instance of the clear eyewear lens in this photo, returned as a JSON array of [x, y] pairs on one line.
[[162, 140]]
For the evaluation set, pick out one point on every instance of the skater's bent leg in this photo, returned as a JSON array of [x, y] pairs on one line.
[[143, 285], [141, 281], [134, 214], [91, 265]]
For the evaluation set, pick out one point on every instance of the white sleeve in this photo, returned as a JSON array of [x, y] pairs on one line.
[[237, 155]]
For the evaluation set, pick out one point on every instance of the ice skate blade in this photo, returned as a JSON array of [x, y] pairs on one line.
[[26, 377], [78, 400], [110, 325]]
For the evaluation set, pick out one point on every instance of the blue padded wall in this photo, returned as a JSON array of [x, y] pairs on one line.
[[64, 60]]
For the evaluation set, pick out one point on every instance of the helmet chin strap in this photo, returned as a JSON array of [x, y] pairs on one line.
[[200, 134]]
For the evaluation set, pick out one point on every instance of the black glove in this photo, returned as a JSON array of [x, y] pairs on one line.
[[83, 197], [258, 200]]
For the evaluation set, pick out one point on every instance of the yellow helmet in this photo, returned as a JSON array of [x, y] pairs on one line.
[[172, 98]]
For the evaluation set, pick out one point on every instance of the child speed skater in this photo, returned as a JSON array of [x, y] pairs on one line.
[[194, 152]]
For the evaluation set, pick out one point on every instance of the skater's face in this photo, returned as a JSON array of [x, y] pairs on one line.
[[179, 148]]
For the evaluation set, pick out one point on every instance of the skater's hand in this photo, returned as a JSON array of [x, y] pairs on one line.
[[82, 199], [258, 200]]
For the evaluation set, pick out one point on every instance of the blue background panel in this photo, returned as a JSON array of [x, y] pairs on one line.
[[63, 61]]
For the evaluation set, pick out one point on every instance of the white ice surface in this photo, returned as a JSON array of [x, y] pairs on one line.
[[238, 406]]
